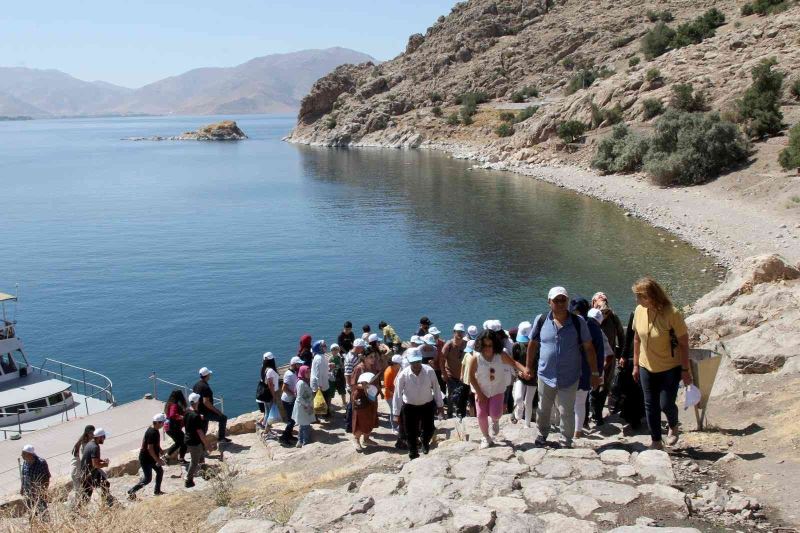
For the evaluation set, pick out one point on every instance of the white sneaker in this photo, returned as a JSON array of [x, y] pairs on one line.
[[485, 443], [495, 427]]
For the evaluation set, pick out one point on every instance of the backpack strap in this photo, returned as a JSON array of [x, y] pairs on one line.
[[538, 323], [577, 324]]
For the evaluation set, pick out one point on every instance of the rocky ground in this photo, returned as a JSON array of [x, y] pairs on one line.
[[226, 130]]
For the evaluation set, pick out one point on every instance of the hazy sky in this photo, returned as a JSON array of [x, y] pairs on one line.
[[137, 42]]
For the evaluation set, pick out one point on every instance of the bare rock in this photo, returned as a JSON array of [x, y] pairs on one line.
[[473, 519], [397, 512], [533, 457], [670, 496], [425, 467], [559, 523], [323, 507], [541, 491], [655, 465], [573, 453], [380, 485], [220, 515], [554, 468], [615, 457], [604, 491], [651, 529], [245, 423], [243, 525], [581, 504], [507, 503], [518, 523], [414, 42]]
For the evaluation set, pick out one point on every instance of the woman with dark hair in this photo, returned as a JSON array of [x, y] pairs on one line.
[[175, 408], [660, 357], [77, 453], [489, 377], [271, 381], [304, 351], [365, 408]]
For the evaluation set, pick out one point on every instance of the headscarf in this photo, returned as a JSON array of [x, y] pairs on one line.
[[318, 347], [599, 296], [304, 373], [305, 344]]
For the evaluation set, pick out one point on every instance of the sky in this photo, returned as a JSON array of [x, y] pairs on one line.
[[135, 43]]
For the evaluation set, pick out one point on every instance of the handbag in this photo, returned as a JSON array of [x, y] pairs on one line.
[[263, 394], [274, 414], [320, 405]]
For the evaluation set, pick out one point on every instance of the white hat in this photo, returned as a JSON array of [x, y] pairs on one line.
[[415, 339], [596, 314], [160, 417], [194, 398], [205, 372], [472, 331], [495, 325], [28, 448], [429, 339], [486, 324], [336, 346], [359, 343], [295, 361], [470, 346], [434, 330], [557, 291], [458, 327], [524, 331], [414, 356], [99, 432], [397, 359], [268, 356], [373, 338], [366, 377]]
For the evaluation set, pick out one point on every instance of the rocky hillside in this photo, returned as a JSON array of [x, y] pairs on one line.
[[507, 48]]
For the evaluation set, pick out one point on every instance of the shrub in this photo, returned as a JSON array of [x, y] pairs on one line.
[[690, 148], [613, 116], [330, 122], [571, 130], [437, 111], [465, 116], [504, 130], [474, 98], [507, 116], [747, 10], [619, 42], [657, 41], [526, 113], [759, 107], [453, 120], [604, 72], [794, 89], [635, 60], [685, 99], [580, 80], [652, 74], [652, 107], [435, 97], [655, 16], [596, 115], [765, 7], [517, 97], [789, 157], [531, 91], [568, 63], [622, 151]]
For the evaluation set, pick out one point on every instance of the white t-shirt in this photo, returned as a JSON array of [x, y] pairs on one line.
[[290, 380], [271, 380]]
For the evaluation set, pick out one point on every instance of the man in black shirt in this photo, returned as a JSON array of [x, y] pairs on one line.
[[424, 326], [346, 337], [206, 406], [92, 467], [196, 443], [150, 457]]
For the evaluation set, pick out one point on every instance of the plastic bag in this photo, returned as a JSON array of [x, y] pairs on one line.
[[320, 405], [274, 414], [692, 396]]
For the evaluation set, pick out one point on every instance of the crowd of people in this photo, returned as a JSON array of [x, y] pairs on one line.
[[564, 368]]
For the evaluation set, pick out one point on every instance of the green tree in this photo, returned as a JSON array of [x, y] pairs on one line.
[[571, 130], [789, 157], [759, 107], [657, 41], [504, 130]]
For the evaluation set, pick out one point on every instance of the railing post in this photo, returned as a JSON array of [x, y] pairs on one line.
[[19, 424], [61, 365], [155, 386], [84, 382]]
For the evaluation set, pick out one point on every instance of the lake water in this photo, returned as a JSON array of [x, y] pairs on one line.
[[168, 256]]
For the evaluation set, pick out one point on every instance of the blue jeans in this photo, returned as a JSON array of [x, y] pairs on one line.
[[304, 434], [660, 390]]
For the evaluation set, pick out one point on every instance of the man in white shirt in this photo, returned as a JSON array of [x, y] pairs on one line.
[[417, 397]]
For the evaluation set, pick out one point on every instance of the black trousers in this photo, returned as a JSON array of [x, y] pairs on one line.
[[178, 437], [147, 474], [288, 407], [416, 417]]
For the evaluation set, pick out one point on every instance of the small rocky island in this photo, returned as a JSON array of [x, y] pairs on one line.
[[226, 130]]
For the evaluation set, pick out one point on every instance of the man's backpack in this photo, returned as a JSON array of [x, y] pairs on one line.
[[537, 328]]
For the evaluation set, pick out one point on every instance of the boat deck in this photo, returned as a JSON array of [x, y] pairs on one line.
[[125, 425]]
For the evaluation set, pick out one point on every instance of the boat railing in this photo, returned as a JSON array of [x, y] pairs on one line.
[[219, 403], [15, 434], [104, 391], [7, 329]]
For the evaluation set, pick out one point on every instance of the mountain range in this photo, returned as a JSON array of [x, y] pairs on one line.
[[268, 84]]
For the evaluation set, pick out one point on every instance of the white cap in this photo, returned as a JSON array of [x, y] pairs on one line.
[[366, 377], [335, 346], [296, 361], [268, 356], [429, 339], [434, 330], [205, 372], [458, 327], [359, 343], [28, 448], [495, 325], [99, 432], [415, 339], [524, 331], [160, 417], [414, 356], [397, 359], [557, 291], [373, 338], [486, 324], [596, 314], [193, 398], [470, 346], [472, 330]]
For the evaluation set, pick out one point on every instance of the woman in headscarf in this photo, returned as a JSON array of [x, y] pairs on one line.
[[304, 351], [365, 408], [320, 374], [303, 413]]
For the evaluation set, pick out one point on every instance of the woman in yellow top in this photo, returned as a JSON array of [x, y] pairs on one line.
[[659, 362]]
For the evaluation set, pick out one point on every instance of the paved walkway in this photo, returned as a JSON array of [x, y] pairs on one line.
[[125, 425]]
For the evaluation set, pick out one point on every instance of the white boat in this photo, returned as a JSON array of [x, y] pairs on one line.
[[32, 397]]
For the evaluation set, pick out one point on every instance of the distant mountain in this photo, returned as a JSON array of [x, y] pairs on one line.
[[268, 84]]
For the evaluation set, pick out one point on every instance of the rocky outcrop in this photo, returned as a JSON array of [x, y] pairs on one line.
[[226, 130], [325, 91]]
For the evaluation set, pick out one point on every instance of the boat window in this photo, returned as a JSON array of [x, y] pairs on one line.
[[14, 408], [7, 364], [37, 404], [54, 399]]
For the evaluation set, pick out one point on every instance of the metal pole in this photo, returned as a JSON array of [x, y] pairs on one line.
[[84, 382], [19, 424], [155, 385]]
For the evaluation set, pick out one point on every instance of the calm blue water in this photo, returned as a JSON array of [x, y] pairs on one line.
[[168, 256]]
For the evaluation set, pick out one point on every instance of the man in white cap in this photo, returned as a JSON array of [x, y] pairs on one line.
[[352, 359], [558, 341], [196, 442], [207, 408], [452, 354], [150, 457], [35, 481], [418, 397], [92, 465], [288, 397]]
